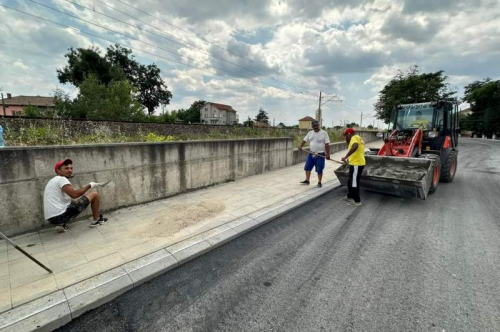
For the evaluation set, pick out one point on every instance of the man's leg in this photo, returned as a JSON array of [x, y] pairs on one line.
[[358, 172], [355, 182], [349, 183], [95, 204], [320, 166], [308, 167], [308, 175]]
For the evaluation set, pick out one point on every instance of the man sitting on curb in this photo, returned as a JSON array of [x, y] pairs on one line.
[[319, 144], [58, 205]]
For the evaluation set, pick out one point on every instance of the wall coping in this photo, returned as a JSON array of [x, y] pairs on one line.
[[75, 146]]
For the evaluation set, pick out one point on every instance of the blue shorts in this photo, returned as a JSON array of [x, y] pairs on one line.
[[313, 161]]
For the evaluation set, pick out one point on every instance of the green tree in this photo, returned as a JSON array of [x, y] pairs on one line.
[[31, 110], [168, 117], [248, 123], [63, 104], [262, 116], [82, 63], [411, 86], [484, 99], [118, 64], [100, 102], [192, 114]]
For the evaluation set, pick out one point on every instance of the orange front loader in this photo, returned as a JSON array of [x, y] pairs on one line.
[[420, 150]]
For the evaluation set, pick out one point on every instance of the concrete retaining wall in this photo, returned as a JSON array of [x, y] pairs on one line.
[[368, 136], [141, 172]]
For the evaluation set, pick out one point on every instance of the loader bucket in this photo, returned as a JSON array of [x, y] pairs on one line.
[[405, 177]]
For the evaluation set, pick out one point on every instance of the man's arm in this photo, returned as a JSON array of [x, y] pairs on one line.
[[353, 149], [75, 193], [327, 151]]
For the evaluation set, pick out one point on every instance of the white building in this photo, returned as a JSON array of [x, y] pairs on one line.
[[218, 114]]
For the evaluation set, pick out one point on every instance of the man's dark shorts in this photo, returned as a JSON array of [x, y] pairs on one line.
[[72, 211], [315, 161]]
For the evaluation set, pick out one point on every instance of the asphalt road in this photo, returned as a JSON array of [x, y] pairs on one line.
[[390, 265]]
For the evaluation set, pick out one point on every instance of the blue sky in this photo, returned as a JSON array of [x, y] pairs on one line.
[[276, 54]]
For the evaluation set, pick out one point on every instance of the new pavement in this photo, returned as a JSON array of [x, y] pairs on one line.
[[390, 265]]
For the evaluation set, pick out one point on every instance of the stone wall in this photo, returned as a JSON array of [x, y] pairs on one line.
[[141, 172], [74, 128]]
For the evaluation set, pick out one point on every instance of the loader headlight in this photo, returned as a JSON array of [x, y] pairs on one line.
[[433, 134]]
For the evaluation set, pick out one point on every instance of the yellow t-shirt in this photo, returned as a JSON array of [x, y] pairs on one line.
[[421, 123], [358, 157]]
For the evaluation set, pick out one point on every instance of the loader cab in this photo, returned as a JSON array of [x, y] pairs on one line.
[[438, 121], [444, 133]]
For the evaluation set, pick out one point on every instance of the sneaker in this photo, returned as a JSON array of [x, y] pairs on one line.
[[305, 182], [347, 199], [101, 221], [354, 203], [319, 185], [61, 229], [95, 223]]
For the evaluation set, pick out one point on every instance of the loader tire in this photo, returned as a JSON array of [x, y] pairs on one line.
[[436, 173], [449, 167]]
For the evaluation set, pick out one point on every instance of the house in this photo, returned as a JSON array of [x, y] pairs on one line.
[[16, 105], [306, 123], [218, 114]]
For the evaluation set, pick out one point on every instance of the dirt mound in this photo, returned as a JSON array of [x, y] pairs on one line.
[[181, 216]]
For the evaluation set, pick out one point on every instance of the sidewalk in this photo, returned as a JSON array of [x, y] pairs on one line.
[[93, 265]]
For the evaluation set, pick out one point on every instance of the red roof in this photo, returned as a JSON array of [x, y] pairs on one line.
[[223, 107], [30, 100], [307, 118]]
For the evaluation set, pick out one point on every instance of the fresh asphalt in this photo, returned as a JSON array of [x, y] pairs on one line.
[[390, 265]]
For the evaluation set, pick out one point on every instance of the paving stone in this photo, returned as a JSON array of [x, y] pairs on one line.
[[107, 262], [74, 275], [33, 290], [24, 271], [5, 301], [48, 312]]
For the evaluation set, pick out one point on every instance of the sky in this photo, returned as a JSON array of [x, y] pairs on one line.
[[272, 54]]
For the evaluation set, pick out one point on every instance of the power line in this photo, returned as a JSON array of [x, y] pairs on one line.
[[195, 35], [148, 44], [117, 43], [191, 46], [191, 33]]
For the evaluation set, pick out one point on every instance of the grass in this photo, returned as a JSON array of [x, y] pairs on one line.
[[37, 136]]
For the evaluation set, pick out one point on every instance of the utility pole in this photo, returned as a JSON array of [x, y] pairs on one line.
[[319, 117], [3, 105], [361, 122]]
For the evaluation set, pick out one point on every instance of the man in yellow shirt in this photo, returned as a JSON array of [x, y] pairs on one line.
[[356, 159], [419, 122]]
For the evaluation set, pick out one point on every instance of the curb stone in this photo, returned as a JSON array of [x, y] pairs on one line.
[[59, 308]]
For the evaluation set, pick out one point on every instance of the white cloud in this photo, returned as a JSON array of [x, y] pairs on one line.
[[350, 46]]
